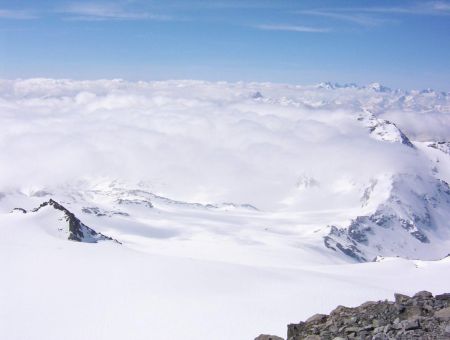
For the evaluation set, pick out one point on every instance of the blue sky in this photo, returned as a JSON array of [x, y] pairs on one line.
[[398, 43]]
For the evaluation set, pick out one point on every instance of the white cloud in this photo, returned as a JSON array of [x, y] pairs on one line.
[[358, 18], [421, 8], [441, 6], [371, 16], [422, 126], [17, 14], [292, 28], [107, 11], [196, 140]]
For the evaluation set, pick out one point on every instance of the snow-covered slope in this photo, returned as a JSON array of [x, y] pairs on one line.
[[413, 223], [195, 201]]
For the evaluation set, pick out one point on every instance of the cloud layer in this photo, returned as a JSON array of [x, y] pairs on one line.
[[207, 142]]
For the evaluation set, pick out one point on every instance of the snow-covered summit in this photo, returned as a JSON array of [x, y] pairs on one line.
[[63, 223], [411, 223], [384, 130], [377, 87]]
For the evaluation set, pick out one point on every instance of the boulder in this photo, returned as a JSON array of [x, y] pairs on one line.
[[268, 337], [443, 314], [423, 295]]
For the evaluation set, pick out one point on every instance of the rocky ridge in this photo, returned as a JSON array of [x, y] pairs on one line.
[[441, 146], [77, 230], [412, 213], [419, 317]]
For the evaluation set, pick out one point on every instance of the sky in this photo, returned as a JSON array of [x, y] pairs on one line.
[[403, 44]]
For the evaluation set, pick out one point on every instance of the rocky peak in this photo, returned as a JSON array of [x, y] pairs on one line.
[[419, 317], [383, 130], [78, 231], [403, 225], [268, 337], [441, 146]]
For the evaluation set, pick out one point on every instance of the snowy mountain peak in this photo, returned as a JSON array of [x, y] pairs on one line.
[[326, 85], [411, 223], [331, 86], [72, 226], [384, 130], [377, 87]]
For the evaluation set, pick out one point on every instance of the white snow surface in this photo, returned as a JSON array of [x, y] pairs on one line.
[[221, 194]]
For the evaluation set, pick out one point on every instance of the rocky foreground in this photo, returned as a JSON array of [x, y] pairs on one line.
[[419, 317]]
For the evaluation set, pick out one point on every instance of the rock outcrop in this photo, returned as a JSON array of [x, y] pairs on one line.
[[405, 224], [77, 230], [419, 317], [268, 337]]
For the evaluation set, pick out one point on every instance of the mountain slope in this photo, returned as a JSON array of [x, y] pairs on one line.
[[411, 223], [60, 221]]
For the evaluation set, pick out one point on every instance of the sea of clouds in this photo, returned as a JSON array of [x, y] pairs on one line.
[[211, 142]]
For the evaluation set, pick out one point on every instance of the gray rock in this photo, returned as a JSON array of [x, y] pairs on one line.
[[378, 330], [410, 324], [417, 317], [268, 337], [317, 318], [411, 312], [423, 295], [367, 328], [367, 304], [352, 329], [400, 298], [443, 314], [445, 296], [447, 330], [23, 211]]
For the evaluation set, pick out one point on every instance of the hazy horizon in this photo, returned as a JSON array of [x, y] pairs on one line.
[[401, 44]]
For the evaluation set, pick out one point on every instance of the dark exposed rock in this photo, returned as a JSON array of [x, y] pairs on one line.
[[400, 298], [256, 95], [442, 146], [20, 209], [268, 337], [420, 236], [347, 246], [316, 318], [406, 209], [419, 317], [405, 139], [100, 212], [423, 295], [445, 296], [77, 230], [141, 202], [443, 314], [93, 210]]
